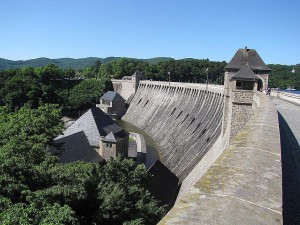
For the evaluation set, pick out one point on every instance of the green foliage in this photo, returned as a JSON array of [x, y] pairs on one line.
[[36, 189], [123, 195], [282, 77], [88, 92], [20, 87], [50, 84], [65, 63]]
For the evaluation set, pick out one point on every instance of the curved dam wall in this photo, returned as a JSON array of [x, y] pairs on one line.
[[244, 185], [185, 120]]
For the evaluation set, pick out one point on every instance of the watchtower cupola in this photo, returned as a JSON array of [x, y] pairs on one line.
[[245, 74]]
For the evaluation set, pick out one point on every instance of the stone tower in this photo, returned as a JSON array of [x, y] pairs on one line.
[[245, 74], [135, 78]]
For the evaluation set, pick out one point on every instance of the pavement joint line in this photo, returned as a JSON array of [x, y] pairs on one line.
[[261, 150], [252, 203], [247, 201], [262, 124]]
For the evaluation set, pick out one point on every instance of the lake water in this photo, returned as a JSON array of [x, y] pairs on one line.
[[293, 92], [151, 147]]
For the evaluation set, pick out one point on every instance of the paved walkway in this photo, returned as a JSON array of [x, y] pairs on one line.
[[244, 185], [289, 123]]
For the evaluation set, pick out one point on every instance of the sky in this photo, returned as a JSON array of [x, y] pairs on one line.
[[212, 29]]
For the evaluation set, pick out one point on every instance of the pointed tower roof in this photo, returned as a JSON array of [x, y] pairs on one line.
[[111, 96], [247, 56], [111, 138], [245, 73]]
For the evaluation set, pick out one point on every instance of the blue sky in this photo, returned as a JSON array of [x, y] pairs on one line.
[[152, 28]]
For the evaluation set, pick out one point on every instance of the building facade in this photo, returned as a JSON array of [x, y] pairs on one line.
[[245, 74], [113, 104]]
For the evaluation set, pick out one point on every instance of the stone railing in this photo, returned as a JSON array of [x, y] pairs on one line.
[[294, 98]]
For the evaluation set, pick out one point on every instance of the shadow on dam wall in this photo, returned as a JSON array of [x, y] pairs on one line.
[[184, 121], [290, 158]]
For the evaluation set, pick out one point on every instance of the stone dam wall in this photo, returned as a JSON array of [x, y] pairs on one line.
[[185, 120], [244, 185]]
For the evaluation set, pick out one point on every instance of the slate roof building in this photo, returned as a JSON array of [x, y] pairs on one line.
[[113, 104], [247, 65], [245, 74], [93, 137]]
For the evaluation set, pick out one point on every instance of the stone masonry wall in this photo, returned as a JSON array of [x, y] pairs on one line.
[[184, 120], [240, 116], [244, 185], [124, 87], [242, 96]]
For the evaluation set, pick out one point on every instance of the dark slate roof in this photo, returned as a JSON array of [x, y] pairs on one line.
[[245, 73], [250, 56], [111, 138], [112, 96], [76, 147], [94, 123], [163, 183]]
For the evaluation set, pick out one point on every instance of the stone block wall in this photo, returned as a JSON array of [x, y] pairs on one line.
[[124, 87], [107, 152], [184, 120], [241, 113], [242, 96]]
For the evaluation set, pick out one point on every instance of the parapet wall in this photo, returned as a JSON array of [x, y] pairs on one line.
[[124, 87], [290, 97], [185, 120]]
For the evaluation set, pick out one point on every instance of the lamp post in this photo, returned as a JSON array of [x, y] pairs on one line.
[[206, 78], [169, 73]]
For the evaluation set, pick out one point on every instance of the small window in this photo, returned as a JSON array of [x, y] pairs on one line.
[[108, 145]]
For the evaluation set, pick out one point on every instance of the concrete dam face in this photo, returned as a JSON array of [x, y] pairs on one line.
[[184, 119]]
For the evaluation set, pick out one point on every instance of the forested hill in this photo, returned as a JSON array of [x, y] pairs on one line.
[[65, 63]]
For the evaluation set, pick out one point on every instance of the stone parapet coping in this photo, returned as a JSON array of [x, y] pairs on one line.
[[244, 185]]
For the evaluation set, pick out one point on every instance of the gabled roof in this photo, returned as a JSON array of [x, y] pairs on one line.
[[112, 96], [76, 147], [245, 73], [94, 123], [247, 56], [111, 138]]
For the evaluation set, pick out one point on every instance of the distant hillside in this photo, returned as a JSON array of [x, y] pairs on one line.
[[66, 62]]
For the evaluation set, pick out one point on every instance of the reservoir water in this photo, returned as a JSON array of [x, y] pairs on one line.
[[151, 147]]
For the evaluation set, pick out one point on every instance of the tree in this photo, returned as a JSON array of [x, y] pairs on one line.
[[123, 194], [88, 92], [23, 87], [37, 189]]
